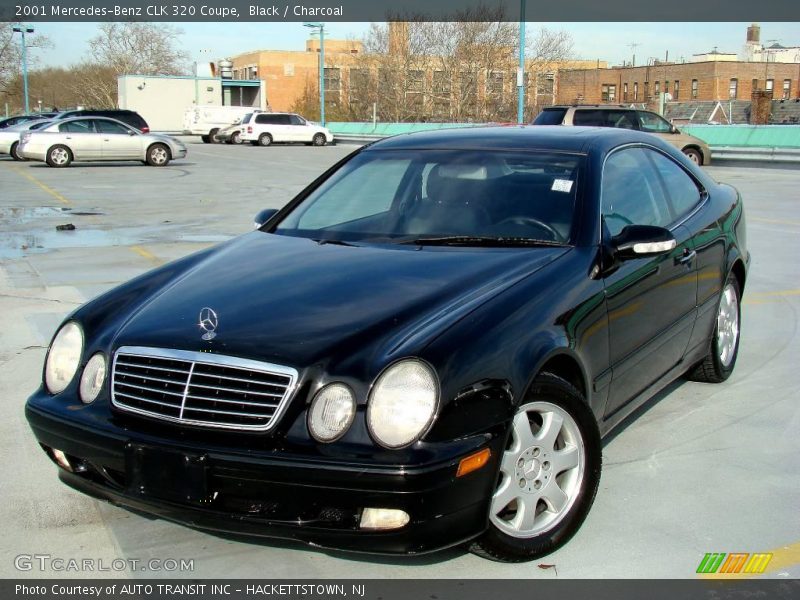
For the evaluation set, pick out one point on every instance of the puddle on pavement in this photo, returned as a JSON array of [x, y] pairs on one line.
[[45, 238]]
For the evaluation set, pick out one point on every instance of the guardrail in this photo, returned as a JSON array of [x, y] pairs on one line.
[[718, 153]]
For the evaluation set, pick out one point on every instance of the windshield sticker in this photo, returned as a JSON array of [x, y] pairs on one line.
[[562, 185]]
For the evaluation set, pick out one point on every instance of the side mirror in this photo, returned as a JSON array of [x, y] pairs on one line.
[[673, 129], [131, 133], [264, 216], [638, 241]]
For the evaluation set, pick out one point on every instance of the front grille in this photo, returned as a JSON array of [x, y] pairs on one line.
[[198, 388]]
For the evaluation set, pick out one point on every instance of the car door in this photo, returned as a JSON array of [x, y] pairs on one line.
[[80, 136], [119, 142], [651, 301], [300, 130]]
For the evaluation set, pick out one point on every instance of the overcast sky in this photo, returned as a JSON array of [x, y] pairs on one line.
[[604, 41]]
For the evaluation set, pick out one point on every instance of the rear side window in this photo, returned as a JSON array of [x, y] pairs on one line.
[[681, 188], [267, 119], [621, 119], [550, 116], [83, 126], [589, 118]]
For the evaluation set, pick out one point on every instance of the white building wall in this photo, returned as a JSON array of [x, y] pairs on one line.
[[162, 101]]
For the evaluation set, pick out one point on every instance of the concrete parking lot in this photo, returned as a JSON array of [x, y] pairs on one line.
[[704, 468]]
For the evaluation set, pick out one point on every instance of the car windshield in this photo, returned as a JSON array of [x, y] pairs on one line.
[[443, 197]]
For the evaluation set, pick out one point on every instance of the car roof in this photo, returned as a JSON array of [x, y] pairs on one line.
[[90, 117], [518, 137], [593, 107]]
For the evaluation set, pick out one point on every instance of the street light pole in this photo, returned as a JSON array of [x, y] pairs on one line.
[[521, 69], [23, 30], [320, 27]]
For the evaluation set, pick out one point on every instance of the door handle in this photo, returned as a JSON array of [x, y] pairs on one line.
[[68, 137], [686, 258]]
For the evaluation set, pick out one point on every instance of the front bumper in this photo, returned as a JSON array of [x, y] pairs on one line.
[[281, 495]]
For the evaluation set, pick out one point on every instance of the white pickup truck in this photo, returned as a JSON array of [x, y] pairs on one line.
[[206, 121]]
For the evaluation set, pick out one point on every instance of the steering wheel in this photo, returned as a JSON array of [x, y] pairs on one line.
[[532, 222]]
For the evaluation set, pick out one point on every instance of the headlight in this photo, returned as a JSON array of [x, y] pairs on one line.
[[63, 357], [402, 403], [332, 412], [94, 374]]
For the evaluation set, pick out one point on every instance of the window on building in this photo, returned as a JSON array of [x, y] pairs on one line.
[[770, 85], [755, 84], [787, 89], [494, 84], [646, 91], [624, 92], [694, 88], [333, 84], [733, 89], [468, 88], [441, 88], [666, 87], [635, 91], [676, 90], [609, 92], [657, 88]]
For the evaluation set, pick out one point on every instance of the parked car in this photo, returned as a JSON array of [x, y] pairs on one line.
[[207, 121], [268, 128], [129, 117], [625, 117], [423, 348], [97, 139], [10, 136], [19, 119], [232, 133]]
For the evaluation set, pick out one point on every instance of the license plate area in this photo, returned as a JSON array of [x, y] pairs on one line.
[[166, 474]]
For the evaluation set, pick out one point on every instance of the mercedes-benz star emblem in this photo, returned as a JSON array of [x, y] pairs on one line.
[[208, 323]]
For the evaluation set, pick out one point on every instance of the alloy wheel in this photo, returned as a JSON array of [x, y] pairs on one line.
[[59, 156], [727, 325], [540, 473]]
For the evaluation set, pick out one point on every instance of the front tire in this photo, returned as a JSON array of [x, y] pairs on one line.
[[549, 474], [158, 155], [720, 361], [236, 138], [265, 139], [59, 156], [693, 155]]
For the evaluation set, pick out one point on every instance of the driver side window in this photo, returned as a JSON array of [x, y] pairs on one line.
[[630, 192]]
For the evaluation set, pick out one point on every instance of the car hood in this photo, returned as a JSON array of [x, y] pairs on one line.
[[293, 301]]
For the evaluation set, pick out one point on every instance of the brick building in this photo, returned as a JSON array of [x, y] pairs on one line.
[[710, 81]]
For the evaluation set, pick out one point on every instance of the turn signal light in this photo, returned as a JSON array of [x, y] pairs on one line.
[[473, 462]]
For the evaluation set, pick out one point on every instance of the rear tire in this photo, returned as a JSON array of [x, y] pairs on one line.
[[59, 156], [549, 474], [206, 139], [158, 155], [265, 139], [319, 139], [720, 361], [213, 135], [14, 152]]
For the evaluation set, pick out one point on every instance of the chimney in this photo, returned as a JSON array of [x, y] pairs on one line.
[[754, 34]]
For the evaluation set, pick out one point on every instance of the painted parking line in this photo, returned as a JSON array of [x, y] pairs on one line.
[[769, 297], [146, 254], [41, 185], [774, 221]]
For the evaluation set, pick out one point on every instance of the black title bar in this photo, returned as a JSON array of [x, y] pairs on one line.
[[388, 10]]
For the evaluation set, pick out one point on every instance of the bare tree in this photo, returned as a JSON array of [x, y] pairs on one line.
[[11, 62], [127, 49]]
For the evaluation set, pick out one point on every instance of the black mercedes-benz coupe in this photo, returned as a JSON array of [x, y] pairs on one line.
[[424, 348]]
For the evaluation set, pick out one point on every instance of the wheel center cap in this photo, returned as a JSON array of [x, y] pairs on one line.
[[531, 468]]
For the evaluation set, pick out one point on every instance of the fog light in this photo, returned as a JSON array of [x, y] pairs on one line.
[[383, 518], [62, 460]]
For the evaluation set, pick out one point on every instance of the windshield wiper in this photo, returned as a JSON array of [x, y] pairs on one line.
[[323, 242], [476, 240]]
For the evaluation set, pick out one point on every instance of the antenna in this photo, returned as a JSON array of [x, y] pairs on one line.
[[633, 46]]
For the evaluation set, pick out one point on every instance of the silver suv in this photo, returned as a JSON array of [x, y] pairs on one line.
[[625, 117]]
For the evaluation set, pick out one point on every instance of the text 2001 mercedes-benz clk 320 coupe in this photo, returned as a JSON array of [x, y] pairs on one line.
[[424, 348]]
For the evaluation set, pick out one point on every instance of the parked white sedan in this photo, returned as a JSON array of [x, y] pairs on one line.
[[97, 139], [10, 136], [266, 128]]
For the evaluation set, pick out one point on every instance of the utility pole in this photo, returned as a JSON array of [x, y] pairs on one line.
[[633, 46], [521, 68], [320, 28], [23, 30]]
